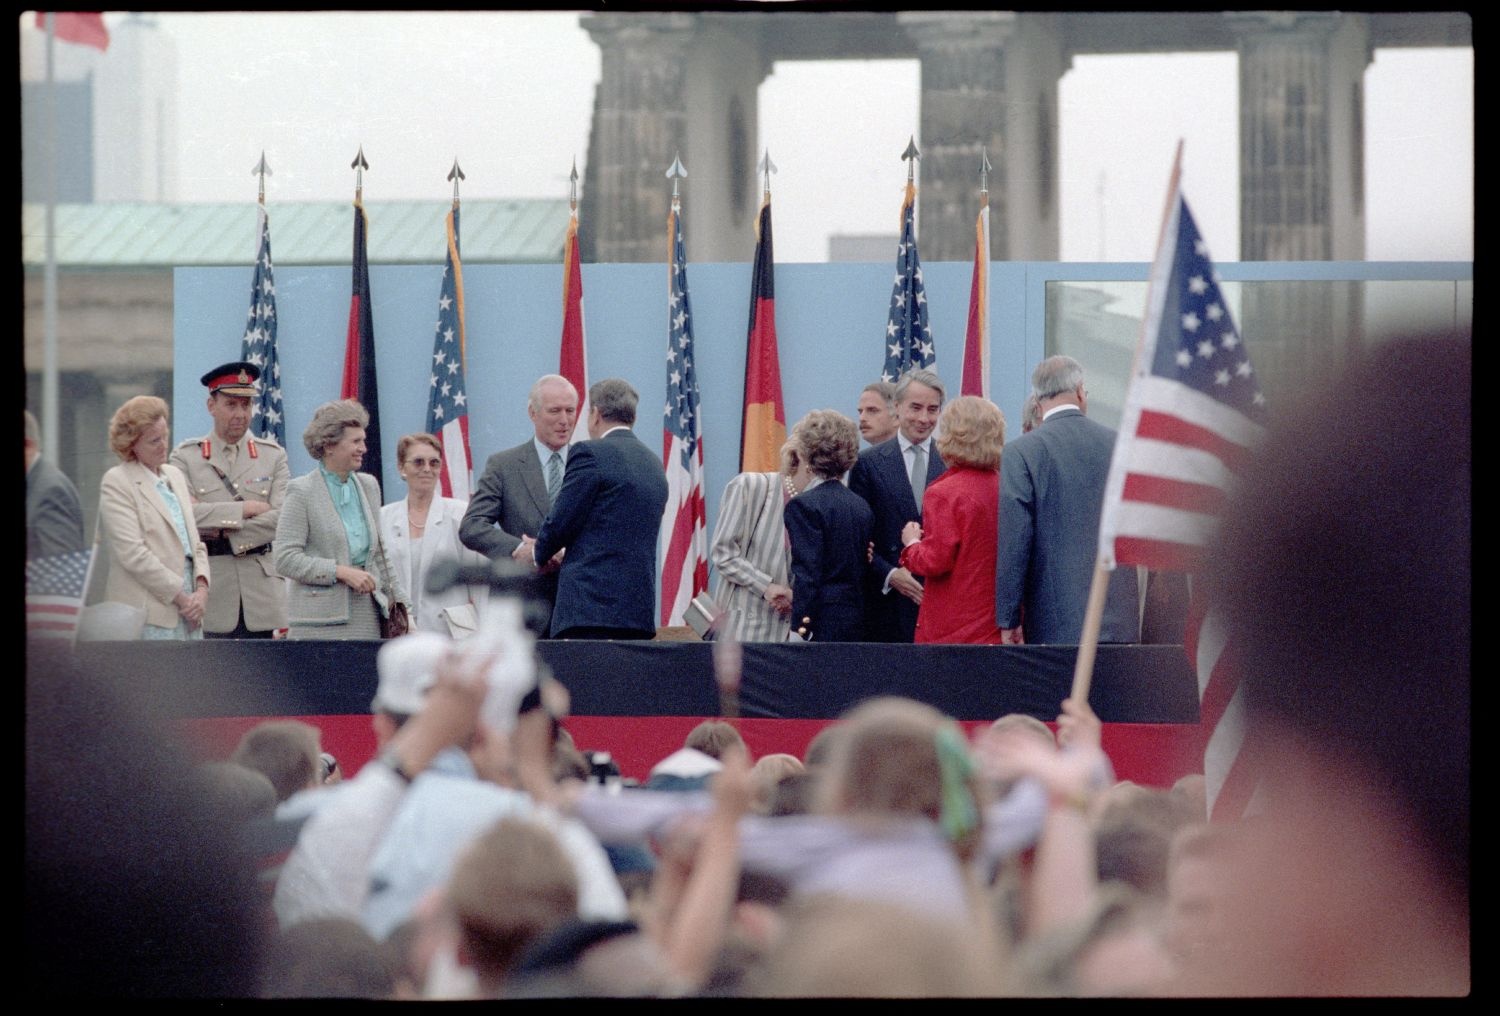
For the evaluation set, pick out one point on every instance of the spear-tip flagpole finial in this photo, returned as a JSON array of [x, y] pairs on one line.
[[455, 174], [767, 167], [359, 165], [910, 156], [262, 169], [984, 170], [573, 186], [676, 172]]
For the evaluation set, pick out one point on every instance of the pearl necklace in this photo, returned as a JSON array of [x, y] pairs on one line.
[[412, 521], [788, 486]]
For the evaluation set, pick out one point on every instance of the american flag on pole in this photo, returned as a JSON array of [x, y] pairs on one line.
[[447, 399], [573, 358], [55, 588], [1193, 415], [259, 343], [684, 524], [908, 339], [975, 379]]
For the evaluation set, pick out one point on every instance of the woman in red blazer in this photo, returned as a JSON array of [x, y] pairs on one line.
[[955, 550]]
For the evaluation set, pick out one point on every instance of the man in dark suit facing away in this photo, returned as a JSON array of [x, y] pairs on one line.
[[892, 477], [54, 516], [519, 485], [605, 522], [1051, 493]]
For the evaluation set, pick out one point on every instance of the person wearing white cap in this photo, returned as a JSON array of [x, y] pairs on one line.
[[375, 851]]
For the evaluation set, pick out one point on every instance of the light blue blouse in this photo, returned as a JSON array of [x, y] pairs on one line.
[[350, 506], [178, 519]]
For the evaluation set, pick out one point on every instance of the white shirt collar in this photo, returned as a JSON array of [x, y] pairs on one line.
[[906, 445], [545, 454], [1049, 414], [618, 426]]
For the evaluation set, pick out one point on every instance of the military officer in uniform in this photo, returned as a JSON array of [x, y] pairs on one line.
[[238, 483]]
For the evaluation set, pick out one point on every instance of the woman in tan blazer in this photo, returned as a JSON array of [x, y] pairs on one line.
[[328, 537], [157, 560]]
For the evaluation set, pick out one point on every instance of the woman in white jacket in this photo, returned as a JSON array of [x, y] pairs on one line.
[[422, 529]]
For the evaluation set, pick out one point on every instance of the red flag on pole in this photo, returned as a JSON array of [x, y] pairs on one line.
[[573, 363], [83, 27], [975, 379], [359, 348], [763, 426]]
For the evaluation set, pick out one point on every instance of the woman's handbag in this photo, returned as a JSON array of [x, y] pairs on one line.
[[396, 621]]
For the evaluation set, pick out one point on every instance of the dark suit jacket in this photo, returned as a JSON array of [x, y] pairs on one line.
[[511, 502], [880, 477], [607, 515], [54, 516], [1051, 493], [829, 528]]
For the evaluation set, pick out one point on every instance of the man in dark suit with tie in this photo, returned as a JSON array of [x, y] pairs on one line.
[[892, 477], [54, 517], [1051, 494], [606, 518], [519, 485]]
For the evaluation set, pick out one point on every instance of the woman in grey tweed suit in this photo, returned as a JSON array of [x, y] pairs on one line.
[[749, 553], [328, 536]]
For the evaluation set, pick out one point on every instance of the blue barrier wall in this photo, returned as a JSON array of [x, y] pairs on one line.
[[830, 321]]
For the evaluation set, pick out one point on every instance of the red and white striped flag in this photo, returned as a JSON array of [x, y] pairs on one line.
[[1192, 417], [975, 379], [447, 395], [573, 362], [684, 524], [55, 589]]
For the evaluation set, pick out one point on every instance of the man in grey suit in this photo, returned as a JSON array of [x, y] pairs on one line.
[[54, 516], [1051, 493], [606, 516], [519, 485]]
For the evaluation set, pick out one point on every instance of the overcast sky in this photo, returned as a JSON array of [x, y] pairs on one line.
[[511, 95]]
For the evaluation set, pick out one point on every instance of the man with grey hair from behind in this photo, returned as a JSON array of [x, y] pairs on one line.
[[1051, 494], [606, 516], [519, 484]]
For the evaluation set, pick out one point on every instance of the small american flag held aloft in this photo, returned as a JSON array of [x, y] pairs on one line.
[[1193, 417]]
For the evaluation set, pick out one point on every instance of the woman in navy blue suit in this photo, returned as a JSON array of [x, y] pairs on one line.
[[829, 527]]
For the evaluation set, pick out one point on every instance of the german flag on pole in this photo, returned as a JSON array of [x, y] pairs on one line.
[[763, 427], [359, 348]]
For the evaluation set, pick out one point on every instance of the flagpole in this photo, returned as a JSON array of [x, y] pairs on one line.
[[50, 436], [1088, 640]]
